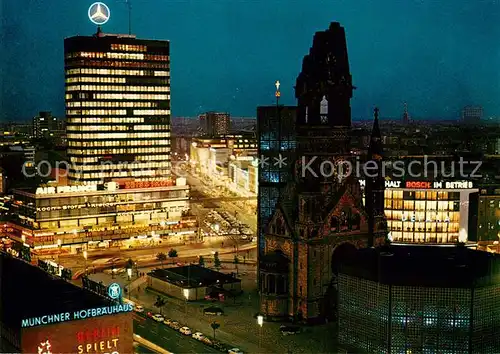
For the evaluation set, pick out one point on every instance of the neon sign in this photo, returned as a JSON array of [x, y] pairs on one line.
[[114, 291], [99, 13], [44, 347], [76, 315], [66, 189], [424, 184]]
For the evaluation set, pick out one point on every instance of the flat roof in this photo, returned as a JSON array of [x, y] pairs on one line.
[[27, 291], [429, 266], [192, 276]]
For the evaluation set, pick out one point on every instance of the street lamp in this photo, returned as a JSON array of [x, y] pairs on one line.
[[59, 244], [85, 255], [260, 322], [129, 274], [186, 296]]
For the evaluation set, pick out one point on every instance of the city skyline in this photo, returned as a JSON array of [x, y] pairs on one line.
[[436, 77]]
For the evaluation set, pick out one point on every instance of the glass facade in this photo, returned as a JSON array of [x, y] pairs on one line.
[[276, 136], [117, 108], [381, 318], [417, 216], [80, 217]]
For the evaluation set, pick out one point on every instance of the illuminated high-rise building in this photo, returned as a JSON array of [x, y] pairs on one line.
[[117, 108]]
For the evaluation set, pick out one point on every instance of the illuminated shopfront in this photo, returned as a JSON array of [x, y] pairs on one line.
[[130, 210], [427, 212]]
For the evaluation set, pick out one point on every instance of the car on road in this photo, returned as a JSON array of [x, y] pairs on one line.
[[207, 341], [175, 325], [198, 336], [139, 308], [213, 311], [220, 347], [234, 351], [158, 318], [185, 330], [167, 321], [288, 330]]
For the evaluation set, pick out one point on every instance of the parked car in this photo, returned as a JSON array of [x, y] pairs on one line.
[[167, 321], [138, 308], [198, 336], [185, 330], [207, 341], [220, 347], [213, 311], [287, 330], [158, 318], [175, 325], [149, 314], [234, 351]]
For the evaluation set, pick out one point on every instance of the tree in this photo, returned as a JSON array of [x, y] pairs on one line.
[[162, 257], [216, 260], [236, 262], [215, 326], [160, 302], [201, 261], [172, 253], [129, 264]]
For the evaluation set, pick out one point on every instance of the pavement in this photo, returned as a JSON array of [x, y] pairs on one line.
[[168, 338], [238, 327]]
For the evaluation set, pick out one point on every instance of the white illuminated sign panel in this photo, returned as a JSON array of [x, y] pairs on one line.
[[99, 13], [66, 189], [114, 291], [424, 184]]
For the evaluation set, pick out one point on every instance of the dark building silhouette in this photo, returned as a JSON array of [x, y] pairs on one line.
[[320, 216], [419, 299], [375, 184]]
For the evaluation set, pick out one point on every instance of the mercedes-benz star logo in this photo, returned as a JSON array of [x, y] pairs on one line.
[[99, 13], [114, 291]]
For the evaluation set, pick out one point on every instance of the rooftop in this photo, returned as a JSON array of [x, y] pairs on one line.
[[192, 276], [27, 291], [429, 266]]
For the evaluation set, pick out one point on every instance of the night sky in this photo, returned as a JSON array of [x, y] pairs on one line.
[[438, 55]]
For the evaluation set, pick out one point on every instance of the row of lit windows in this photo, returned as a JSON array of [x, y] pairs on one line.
[[118, 143], [119, 72], [118, 64], [122, 120], [118, 174], [423, 216], [133, 56], [105, 80], [131, 135], [425, 195], [420, 205], [112, 104], [164, 127], [99, 160], [128, 150], [424, 237], [116, 112], [130, 96], [129, 47], [118, 88], [135, 165], [96, 112], [423, 227]]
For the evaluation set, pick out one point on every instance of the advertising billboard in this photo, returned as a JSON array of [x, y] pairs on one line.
[[110, 334]]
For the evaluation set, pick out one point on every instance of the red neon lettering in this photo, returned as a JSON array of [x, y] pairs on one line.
[[423, 185]]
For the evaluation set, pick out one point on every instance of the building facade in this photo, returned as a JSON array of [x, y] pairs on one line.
[[215, 123], [44, 125], [117, 108], [472, 114], [276, 136], [440, 300], [488, 218], [434, 212], [319, 215], [81, 217]]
